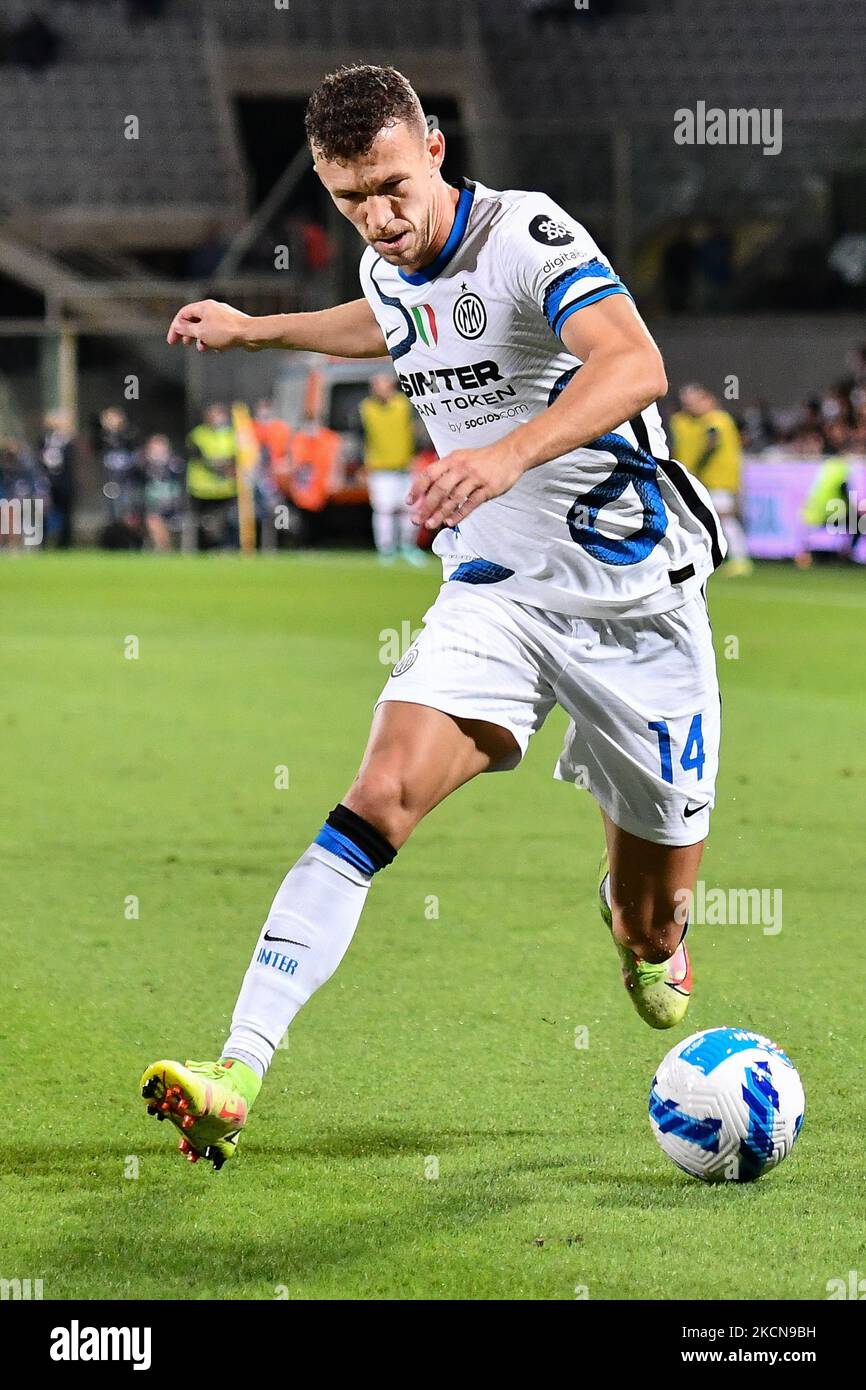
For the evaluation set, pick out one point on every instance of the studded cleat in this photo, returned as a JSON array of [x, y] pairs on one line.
[[660, 992], [207, 1101]]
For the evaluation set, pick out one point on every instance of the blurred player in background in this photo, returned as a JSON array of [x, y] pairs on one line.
[[575, 555], [389, 449], [706, 439], [211, 477]]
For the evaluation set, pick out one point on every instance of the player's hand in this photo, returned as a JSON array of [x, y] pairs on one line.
[[447, 491], [209, 324]]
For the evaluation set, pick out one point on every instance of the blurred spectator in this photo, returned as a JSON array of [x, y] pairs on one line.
[[274, 438], [812, 417], [21, 481], [122, 485], [315, 455], [707, 441], [831, 500], [318, 251], [272, 472], [758, 428], [836, 403], [211, 478], [58, 456], [858, 432], [163, 490], [806, 444], [389, 449]]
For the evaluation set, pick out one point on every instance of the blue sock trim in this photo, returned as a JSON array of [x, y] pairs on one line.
[[337, 843]]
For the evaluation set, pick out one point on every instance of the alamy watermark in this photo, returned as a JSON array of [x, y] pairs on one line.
[[77, 1343], [852, 1287], [730, 907], [737, 126], [847, 515], [400, 647], [22, 516], [16, 1289]]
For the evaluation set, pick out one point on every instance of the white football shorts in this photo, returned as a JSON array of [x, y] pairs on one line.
[[642, 696], [388, 489]]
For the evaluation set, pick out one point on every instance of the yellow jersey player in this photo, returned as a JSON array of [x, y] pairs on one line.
[[706, 439], [387, 421]]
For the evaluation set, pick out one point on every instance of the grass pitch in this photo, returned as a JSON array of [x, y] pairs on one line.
[[430, 1130]]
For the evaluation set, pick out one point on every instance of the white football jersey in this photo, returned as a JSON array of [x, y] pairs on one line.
[[612, 529]]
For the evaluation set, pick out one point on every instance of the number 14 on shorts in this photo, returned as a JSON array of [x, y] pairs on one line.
[[692, 755]]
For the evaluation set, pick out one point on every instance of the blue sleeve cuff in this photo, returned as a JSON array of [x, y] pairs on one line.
[[593, 297]]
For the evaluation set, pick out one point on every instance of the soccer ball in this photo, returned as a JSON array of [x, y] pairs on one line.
[[726, 1105]]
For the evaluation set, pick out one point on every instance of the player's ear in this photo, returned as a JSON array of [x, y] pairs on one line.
[[435, 149]]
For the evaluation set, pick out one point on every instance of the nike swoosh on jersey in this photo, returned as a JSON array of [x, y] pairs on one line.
[[288, 940], [693, 810]]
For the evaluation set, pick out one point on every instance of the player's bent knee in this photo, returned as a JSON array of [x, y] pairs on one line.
[[382, 796]]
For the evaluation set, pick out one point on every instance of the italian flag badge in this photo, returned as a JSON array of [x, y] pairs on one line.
[[425, 322]]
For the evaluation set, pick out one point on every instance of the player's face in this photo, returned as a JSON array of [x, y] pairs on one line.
[[388, 194]]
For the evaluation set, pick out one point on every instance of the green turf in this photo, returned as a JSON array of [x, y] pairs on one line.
[[449, 1039]]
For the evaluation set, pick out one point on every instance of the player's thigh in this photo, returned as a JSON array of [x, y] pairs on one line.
[[473, 675], [415, 757], [645, 709]]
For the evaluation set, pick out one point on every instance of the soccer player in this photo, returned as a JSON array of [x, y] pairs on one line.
[[389, 450], [706, 439], [575, 555]]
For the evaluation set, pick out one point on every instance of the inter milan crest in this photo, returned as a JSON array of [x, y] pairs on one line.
[[407, 660], [470, 316]]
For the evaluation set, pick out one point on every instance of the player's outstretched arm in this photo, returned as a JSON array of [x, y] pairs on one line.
[[347, 330]]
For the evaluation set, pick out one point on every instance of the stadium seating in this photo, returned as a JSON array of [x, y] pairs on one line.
[[635, 70], [63, 146], [346, 25], [556, 94]]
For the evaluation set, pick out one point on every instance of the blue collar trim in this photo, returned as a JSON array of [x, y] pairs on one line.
[[455, 236]]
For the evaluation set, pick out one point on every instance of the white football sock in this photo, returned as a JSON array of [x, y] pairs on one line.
[[307, 933], [408, 530], [738, 546]]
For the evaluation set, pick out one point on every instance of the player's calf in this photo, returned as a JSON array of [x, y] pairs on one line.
[[654, 958], [649, 929]]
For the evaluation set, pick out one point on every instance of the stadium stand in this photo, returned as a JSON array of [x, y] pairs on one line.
[[635, 69], [65, 161], [349, 24], [102, 236]]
